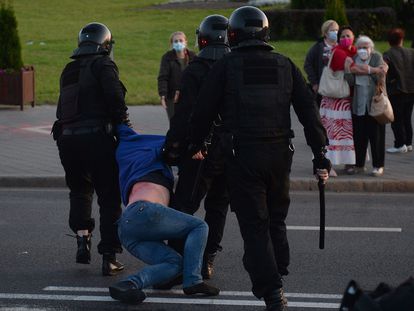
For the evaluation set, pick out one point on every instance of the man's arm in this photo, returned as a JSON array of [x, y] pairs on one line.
[[208, 104], [113, 91]]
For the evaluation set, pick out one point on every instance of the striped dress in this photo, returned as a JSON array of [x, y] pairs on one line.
[[337, 119]]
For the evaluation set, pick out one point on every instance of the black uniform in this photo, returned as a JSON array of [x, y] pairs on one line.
[[91, 103], [252, 89], [196, 179]]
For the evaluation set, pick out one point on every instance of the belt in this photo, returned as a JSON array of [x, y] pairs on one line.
[[82, 130]]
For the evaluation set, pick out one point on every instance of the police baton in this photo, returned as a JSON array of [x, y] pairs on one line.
[[321, 186]]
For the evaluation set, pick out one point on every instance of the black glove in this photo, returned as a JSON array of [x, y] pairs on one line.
[[320, 162], [171, 154]]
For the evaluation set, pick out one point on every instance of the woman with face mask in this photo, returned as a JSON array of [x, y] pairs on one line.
[[366, 70], [172, 65], [336, 112], [318, 55]]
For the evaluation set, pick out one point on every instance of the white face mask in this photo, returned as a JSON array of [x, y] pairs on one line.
[[363, 53]]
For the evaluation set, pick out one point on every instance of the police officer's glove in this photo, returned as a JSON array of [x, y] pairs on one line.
[[321, 166], [171, 153]]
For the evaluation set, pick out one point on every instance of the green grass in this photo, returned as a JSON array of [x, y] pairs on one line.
[[141, 37]]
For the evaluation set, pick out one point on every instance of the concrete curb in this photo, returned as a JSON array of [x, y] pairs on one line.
[[296, 184]]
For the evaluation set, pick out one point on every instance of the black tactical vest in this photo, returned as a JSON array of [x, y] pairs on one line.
[[258, 94], [80, 99]]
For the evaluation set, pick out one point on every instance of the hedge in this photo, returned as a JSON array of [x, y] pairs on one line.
[[306, 24]]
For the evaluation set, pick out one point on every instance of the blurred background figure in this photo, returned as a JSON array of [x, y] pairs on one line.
[[400, 88], [172, 65], [318, 55], [368, 71]]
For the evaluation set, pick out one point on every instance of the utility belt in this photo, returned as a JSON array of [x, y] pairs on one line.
[[81, 128]]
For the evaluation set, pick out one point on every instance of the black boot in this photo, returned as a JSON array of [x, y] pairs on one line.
[[83, 254], [127, 292], [201, 288], [207, 268], [275, 300], [111, 266]]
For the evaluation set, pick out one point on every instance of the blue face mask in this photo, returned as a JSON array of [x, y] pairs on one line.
[[178, 46], [332, 36]]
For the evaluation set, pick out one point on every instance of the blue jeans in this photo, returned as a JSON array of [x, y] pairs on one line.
[[142, 229]]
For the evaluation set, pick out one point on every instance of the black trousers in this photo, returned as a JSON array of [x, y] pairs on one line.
[[258, 177], [367, 129], [402, 128], [212, 185], [89, 164]]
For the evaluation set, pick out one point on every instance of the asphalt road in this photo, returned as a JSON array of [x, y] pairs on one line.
[[369, 239]]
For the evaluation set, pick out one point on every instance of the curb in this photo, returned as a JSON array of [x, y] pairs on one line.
[[296, 184]]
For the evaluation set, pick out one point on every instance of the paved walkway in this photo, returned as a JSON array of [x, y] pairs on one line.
[[29, 157]]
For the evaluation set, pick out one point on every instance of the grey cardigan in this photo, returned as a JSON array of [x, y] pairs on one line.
[[361, 99]]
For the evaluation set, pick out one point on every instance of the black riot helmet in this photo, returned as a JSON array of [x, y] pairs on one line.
[[94, 39], [212, 30], [248, 26], [212, 37]]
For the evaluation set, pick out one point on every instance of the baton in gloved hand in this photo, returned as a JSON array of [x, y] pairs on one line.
[[321, 186]]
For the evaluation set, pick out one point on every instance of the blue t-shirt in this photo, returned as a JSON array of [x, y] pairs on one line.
[[137, 156]]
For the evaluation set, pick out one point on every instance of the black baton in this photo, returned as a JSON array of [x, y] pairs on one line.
[[321, 186]]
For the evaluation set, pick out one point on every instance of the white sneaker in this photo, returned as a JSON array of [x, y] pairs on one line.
[[402, 149], [409, 147], [378, 171]]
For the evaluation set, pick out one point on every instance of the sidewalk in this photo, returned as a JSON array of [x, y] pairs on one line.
[[29, 156]]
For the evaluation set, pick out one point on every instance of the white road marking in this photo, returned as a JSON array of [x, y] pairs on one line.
[[356, 229], [179, 291], [44, 129], [170, 300]]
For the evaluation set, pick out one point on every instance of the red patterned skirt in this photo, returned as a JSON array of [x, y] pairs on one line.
[[337, 119]]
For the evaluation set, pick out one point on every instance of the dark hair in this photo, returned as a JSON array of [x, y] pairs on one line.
[[342, 28], [395, 36]]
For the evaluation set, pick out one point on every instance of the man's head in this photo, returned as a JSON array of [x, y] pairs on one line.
[[94, 39], [248, 26]]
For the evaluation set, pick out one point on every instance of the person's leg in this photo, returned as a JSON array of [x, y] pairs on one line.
[[397, 125], [104, 171], [144, 222], [376, 134], [360, 139], [278, 201], [408, 111], [81, 194], [248, 195]]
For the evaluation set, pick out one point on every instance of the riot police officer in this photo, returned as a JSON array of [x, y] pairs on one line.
[[252, 90], [206, 179], [91, 102]]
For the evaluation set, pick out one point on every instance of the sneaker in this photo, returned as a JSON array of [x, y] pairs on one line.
[[402, 149], [110, 266], [378, 171], [126, 291], [83, 254], [410, 148]]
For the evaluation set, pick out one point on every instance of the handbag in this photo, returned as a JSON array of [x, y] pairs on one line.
[[381, 109], [333, 83]]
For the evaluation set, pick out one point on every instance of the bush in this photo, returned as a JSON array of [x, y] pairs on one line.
[[335, 9], [10, 49], [307, 4], [306, 24]]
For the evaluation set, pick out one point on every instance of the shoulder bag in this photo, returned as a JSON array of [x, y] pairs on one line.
[[333, 83], [381, 109]]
